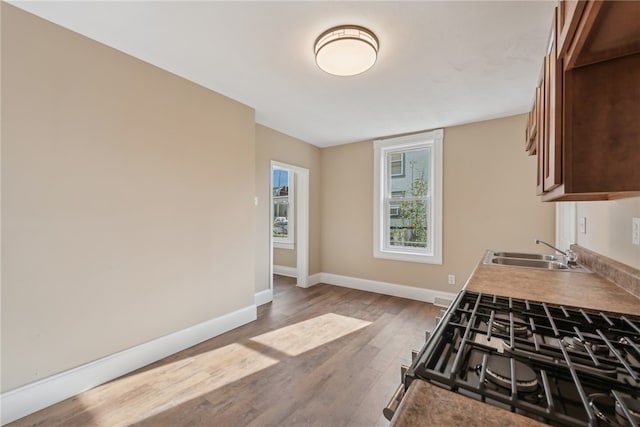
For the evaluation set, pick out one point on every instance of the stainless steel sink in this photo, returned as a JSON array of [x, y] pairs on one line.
[[521, 255], [531, 263], [529, 260]]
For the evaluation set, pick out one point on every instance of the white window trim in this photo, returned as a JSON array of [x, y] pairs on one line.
[[289, 242], [434, 139]]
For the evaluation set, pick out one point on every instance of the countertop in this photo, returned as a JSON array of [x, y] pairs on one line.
[[427, 405], [586, 290]]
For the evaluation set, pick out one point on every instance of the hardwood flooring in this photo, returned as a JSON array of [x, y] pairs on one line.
[[322, 356]]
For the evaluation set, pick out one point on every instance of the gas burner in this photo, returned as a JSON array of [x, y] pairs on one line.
[[592, 341], [549, 371], [501, 324], [610, 412], [499, 373]]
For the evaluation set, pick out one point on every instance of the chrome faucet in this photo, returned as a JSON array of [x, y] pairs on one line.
[[572, 257]]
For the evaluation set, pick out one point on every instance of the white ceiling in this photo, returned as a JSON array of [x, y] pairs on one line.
[[440, 63]]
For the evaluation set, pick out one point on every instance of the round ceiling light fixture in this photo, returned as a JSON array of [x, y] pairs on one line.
[[346, 50]]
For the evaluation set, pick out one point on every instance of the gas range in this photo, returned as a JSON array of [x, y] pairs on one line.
[[559, 365]]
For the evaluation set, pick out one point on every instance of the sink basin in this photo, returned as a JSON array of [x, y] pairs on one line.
[[521, 255], [528, 260], [532, 263]]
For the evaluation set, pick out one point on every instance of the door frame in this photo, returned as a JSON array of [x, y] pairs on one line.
[[301, 212]]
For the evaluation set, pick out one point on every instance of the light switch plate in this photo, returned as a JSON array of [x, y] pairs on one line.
[[582, 225], [635, 231]]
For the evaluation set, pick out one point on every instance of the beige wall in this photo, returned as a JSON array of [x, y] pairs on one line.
[[273, 145], [284, 257], [127, 206], [127, 201], [489, 202], [608, 230]]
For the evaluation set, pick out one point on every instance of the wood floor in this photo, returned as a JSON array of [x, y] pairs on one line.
[[323, 356]]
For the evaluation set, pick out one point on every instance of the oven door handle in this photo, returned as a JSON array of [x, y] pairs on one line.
[[393, 404]]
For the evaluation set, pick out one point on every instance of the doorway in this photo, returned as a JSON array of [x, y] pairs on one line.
[[289, 217]]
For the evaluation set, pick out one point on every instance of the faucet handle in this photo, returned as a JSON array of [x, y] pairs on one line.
[[572, 257]]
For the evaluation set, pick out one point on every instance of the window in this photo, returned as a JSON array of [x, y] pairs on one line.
[[397, 164], [282, 183], [408, 198]]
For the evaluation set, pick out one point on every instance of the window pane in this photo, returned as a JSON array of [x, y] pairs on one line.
[[407, 215], [413, 182], [280, 203], [409, 227]]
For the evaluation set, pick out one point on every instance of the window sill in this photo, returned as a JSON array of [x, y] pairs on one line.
[[408, 257]]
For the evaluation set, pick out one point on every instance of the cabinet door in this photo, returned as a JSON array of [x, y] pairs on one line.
[[569, 13], [531, 131], [539, 140], [552, 167]]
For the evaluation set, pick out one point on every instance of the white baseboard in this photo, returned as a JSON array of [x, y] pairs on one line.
[[314, 279], [264, 297], [32, 397], [283, 270], [385, 288]]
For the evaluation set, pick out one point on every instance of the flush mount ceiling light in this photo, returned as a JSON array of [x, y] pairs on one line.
[[346, 50]]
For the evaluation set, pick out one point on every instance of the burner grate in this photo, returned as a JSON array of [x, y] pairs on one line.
[[542, 360]]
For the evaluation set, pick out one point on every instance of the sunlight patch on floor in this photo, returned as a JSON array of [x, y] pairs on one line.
[[309, 334], [160, 388], [165, 385]]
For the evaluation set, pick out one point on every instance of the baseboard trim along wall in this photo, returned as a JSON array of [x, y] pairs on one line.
[[264, 297], [314, 279], [419, 294], [283, 270], [32, 397]]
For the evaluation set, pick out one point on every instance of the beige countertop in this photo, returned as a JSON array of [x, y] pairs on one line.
[[586, 290], [429, 405]]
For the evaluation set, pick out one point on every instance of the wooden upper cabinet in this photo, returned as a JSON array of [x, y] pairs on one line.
[[552, 138], [531, 132], [538, 140], [602, 133], [587, 132], [606, 30], [545, 121], [568, 16]]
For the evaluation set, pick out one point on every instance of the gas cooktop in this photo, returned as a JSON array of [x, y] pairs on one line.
[[560, 365]]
